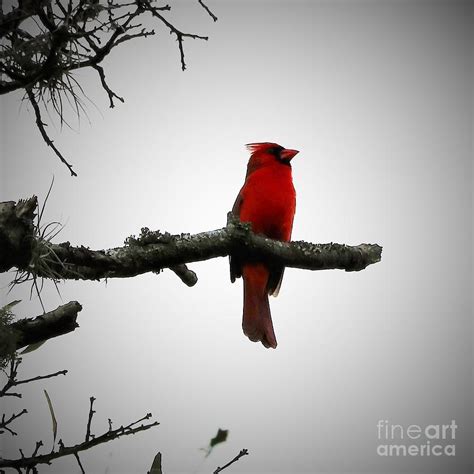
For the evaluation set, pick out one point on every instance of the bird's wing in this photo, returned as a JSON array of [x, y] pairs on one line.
[[234, 261], [237, 204], [276, 271], [274, 280]]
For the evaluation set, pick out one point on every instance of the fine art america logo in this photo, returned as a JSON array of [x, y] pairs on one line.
[[416, 440]]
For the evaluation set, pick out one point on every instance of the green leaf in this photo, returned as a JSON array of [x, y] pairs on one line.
[[33, 347], [53, 417], [156, 466], [220, 437]]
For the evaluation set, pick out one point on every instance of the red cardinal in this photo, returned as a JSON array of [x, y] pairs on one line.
[[267, 200]]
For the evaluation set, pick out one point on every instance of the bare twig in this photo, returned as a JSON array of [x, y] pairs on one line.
[[109, 91], [41, 377], [203, 5], [5, 422], [38, 445], [78, 459], [41, 127], [13, 382], [180, 36], [37, 459], [89, 420], [243, 452], [11, 379]]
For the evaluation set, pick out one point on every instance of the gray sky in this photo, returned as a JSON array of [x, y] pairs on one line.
[[376, 96]]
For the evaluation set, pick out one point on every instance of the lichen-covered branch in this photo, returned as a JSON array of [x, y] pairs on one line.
[[24, 246], [154, 250]]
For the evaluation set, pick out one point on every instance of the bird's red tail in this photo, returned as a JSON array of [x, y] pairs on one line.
[[257, 320]]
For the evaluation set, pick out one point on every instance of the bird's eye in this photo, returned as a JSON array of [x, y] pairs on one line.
[[276, 151]]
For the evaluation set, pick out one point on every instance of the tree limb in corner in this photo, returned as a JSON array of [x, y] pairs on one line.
[[42, 55], [55, 323], [28, 331], [153, 251], [29, 463]]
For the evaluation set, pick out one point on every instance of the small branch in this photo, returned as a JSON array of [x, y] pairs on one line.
[[11, 379], [89, 421], [60, 321], [41, 377], [41, 127], [38, 445], [109, 91], [203, 5], [173, 30], [5, 422], [243, 452], [13, 382], [187, 276], [142, 34], [78, 459]]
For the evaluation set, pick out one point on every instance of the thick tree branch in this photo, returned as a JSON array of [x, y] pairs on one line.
[[46, 326], [22, 245], [153, 251]]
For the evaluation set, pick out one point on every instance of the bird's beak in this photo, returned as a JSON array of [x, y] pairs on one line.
[[287, 155]]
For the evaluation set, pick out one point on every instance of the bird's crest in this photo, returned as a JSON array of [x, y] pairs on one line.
[[254, 147]]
